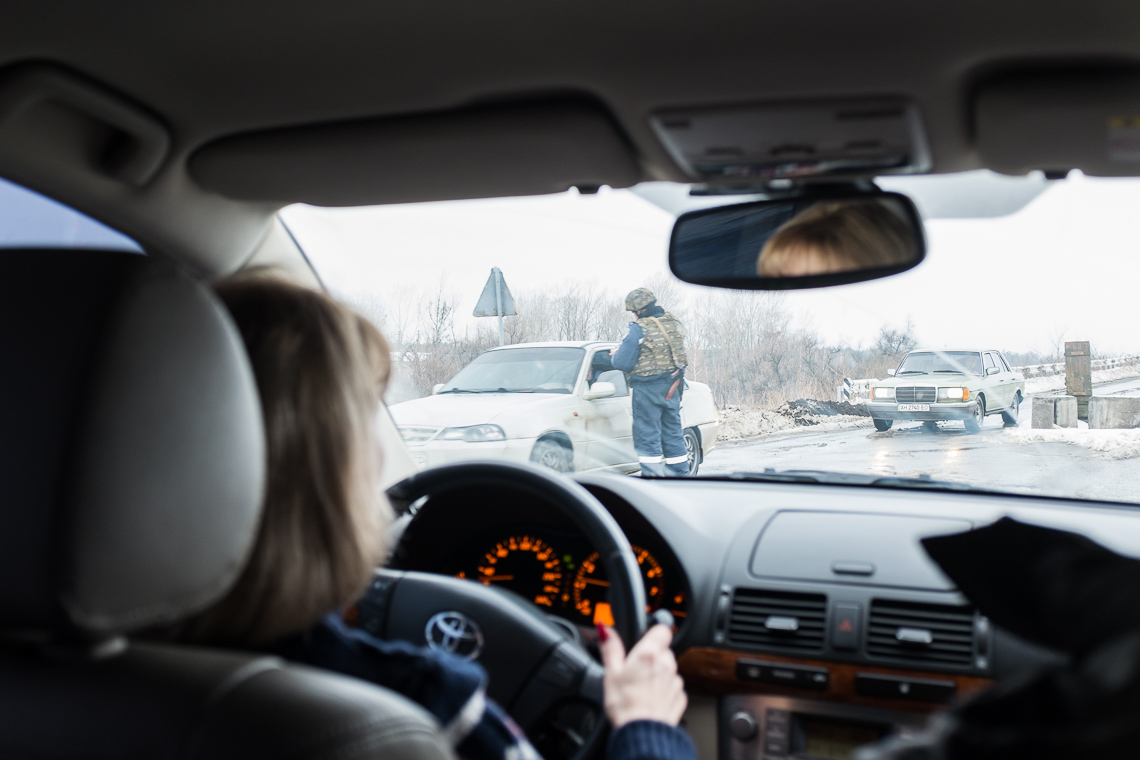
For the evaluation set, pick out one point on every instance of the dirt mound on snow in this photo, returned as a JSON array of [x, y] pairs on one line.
[[804, 411], [738, 424]]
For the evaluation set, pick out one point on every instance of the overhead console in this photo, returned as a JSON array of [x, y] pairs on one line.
[[779, 141]]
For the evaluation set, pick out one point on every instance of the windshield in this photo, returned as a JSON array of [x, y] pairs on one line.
[[928, 362], [1028, 285], [519, 370]]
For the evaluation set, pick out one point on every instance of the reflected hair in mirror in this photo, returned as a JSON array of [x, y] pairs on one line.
[[828, 237], [837, 236]]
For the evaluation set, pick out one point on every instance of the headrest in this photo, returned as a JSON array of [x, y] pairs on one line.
[[132, 454]]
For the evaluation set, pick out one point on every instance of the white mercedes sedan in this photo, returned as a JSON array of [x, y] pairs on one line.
[[560, 404]]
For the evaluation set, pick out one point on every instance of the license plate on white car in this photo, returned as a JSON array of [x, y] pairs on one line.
[[914, 407]]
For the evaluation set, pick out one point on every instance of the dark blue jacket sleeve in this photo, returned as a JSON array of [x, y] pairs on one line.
[[626, 357], [650, 740]]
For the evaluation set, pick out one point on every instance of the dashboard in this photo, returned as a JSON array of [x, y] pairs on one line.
[[560, 573], [811, 619], [524, 549]]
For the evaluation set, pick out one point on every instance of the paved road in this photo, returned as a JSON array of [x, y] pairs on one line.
[[988, 459]]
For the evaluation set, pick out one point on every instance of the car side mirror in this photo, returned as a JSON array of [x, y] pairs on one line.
[[890, 373], [992, 371], [437, 388], [600, 390]]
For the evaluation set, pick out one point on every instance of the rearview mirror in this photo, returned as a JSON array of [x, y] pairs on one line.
[[992, 370], [600, 390], [891, 372], [831, 237]]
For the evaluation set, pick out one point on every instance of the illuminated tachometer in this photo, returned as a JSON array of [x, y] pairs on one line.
[[591, 586], [525, 565]]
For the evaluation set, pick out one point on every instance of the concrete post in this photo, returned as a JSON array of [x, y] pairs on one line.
[[1065, 411], [1043, 412]]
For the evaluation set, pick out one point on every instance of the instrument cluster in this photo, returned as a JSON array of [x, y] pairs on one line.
[[562, 574]]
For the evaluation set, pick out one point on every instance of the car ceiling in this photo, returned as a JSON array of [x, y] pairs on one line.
[[211, 70]]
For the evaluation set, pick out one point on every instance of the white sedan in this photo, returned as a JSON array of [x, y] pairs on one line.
[[562, 405]]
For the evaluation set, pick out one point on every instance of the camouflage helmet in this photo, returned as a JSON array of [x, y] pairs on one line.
[[639, 298]]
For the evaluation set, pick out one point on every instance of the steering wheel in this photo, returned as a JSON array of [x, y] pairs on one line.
[[543, 678]]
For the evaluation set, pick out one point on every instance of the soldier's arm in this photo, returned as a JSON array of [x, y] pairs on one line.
[[625, 358]]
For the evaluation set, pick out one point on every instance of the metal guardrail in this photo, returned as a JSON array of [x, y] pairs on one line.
[[853, 390], [1047, 370]]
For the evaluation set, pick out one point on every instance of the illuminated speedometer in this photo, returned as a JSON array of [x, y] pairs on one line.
[[526, 565], [591, 586]]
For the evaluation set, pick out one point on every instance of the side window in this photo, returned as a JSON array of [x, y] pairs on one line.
[[1004, 363], [617, 377], [602, 371], [31, 220], [988, 359]]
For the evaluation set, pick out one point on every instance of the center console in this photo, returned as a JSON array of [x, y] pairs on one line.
[[765, 727]]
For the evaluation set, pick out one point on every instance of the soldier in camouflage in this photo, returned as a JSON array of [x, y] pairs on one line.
[[654, 353]]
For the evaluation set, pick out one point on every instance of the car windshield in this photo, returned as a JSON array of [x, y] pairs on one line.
[[1028, 285], [929, 362], [519, 370]]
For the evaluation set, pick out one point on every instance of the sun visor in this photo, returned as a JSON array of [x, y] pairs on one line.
[[1055, 123], [491, 151]]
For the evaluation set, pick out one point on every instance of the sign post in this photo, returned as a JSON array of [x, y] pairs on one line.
[[496, 301]]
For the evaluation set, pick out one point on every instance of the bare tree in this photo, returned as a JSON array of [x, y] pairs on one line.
[[1057, 335], [891, 344]]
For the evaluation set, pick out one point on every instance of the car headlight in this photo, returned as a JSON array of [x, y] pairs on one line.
[[953, 394], [878, 393], [473, 434]]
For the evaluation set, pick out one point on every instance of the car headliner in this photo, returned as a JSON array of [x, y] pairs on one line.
[[214, 69]]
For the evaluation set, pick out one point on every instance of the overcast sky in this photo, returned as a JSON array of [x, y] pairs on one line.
[[1069, 261]]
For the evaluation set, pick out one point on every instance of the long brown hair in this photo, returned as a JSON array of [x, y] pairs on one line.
[[840, 236], [320, 369]]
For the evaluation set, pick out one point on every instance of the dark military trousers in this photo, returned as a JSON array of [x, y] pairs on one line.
[[658, 437]]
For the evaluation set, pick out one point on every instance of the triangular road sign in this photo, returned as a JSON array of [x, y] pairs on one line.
[[488, 303]]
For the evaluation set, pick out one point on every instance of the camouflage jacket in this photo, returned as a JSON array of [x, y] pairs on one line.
[[661, 345]]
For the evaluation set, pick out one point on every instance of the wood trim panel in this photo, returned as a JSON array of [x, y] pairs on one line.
[[713, 672]]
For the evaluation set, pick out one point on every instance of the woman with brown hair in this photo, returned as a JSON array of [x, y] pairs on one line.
[[321, 370], [837, 236]]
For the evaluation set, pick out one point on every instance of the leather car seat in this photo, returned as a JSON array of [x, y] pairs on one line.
[[131, 468]]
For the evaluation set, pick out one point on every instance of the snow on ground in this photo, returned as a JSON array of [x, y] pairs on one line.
[[1057, 382], [1113, 444]]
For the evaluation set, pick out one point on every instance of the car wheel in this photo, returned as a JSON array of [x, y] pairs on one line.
[[553, 454], [974, 424], [882, 425], [1009, 416], [693, 449]]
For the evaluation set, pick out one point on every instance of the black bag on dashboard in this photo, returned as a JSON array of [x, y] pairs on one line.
[[1062, 591]]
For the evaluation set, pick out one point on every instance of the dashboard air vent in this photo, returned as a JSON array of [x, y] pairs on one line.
[[933, 633], [780, 619]]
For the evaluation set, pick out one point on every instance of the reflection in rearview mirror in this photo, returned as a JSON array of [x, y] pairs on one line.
[[799, 242]]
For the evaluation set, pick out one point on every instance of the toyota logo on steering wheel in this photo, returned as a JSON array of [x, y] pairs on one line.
[[455, 633]]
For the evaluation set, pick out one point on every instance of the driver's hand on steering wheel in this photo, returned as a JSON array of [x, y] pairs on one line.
[[644, 684]]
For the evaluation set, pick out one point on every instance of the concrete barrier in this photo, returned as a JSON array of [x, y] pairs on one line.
[[1054, 411], [1114, 412], [1043, 411], [1066, 411]]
